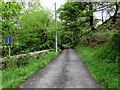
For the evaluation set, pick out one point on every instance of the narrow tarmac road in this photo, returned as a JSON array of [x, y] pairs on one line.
[[66, 71]]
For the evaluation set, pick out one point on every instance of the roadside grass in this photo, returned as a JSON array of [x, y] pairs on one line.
[[105, 72], [12, 78]]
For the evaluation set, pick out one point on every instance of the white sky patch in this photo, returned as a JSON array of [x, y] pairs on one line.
[[98, 15], [50, 4]]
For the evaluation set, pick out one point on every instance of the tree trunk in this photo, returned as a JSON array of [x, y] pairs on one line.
[[91, 16], [115, 14], [102, 16], [114, 17]]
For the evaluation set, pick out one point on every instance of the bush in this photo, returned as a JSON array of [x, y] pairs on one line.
[[98, 38], [111, 50]]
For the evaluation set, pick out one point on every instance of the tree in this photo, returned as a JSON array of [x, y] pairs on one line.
[[75, 16], [37, 29], [91, 16], [108, 7]]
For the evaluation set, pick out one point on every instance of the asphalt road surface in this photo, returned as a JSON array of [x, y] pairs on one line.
[[66, 71]]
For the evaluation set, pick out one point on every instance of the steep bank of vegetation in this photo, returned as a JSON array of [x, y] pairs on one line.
[[103, 60], [111, 50]]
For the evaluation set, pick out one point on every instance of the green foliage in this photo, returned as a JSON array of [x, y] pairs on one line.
[[11, 63], [10, 12], [32, 29], [15, 76], [97, 39], [115, 41], [110, 24], [111, 50], [40, 33], [103, 59], [76, 19], [106, 73]]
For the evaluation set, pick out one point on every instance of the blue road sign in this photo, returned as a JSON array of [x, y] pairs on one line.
[[8, 39]]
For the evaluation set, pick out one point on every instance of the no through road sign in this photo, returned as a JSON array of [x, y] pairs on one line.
[[8, 39]]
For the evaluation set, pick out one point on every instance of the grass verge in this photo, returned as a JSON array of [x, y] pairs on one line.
[[15, 76], [105, 73]]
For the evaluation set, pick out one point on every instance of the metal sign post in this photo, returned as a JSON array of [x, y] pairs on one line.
[[9, 50], [8, 41]]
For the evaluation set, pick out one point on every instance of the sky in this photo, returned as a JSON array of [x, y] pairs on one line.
[[50, 4]]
